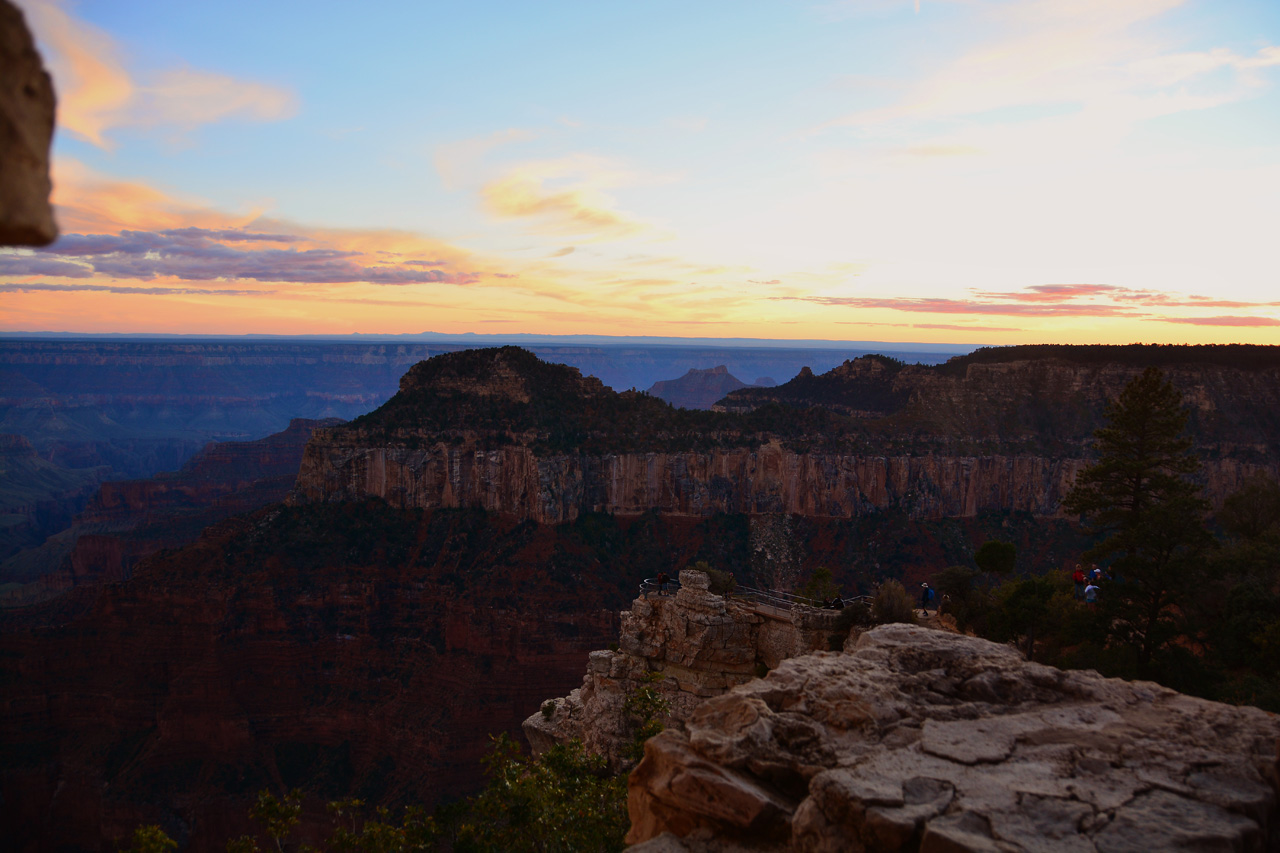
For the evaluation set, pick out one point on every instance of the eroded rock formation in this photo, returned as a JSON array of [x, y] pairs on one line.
[[915, 739], [690, 645]]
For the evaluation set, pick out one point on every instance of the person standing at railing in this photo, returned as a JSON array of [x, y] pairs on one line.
[[662, 583]]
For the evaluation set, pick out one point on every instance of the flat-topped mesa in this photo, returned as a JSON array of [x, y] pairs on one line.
[[690, 645], [918, 739], [501, 430]]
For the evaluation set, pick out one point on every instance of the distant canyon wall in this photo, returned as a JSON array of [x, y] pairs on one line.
[[343, 465]]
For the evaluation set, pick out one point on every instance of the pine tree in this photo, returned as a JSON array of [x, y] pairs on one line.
[[1139, 497]]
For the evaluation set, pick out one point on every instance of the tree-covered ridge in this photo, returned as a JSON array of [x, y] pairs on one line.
[[1048, 404], [1237, 356], [508, 396], [860, 386]]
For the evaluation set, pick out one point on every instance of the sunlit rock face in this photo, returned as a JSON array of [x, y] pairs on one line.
[[501, 430], [914, 739], [26, 129]]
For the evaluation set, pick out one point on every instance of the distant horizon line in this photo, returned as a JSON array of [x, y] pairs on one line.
[[519, 337]]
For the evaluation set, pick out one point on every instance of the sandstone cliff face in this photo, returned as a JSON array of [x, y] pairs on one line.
[[688, 645], [916, 739], [1001, 437], [348, 465]]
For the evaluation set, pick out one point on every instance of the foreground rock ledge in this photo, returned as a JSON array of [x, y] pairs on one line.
[[915, 739]]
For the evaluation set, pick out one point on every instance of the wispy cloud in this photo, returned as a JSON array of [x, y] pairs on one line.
[[198, 254], [1050, 300], [97, 93], [44, 287], [1054, 81], [566, 196], [1222, 321], [930, 305]]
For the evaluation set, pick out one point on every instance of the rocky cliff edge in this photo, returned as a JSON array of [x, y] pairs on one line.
[[915, 739]]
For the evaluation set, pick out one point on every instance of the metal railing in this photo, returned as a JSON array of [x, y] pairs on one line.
[[651, 585], [767, 597]]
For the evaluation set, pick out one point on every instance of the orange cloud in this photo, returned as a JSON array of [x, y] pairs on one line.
[[564, 196], [573, 212], [96, 93]]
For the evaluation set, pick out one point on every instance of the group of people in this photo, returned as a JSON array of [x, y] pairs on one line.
[[1087, 583]]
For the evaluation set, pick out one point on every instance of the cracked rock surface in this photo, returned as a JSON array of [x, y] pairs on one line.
[[914, 739]]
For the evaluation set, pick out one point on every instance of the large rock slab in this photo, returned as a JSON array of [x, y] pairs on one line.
[[916, 739], [26, 129]]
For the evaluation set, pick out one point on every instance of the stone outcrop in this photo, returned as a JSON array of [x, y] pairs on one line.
[[689, 645], [915, 739], [697, 389], [26, 130]]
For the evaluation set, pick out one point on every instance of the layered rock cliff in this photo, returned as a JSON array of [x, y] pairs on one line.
[[501, 430], [916, 739]]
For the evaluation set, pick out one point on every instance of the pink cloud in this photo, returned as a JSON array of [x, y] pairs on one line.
[[958, 327], [959, 306], [1221, 321]]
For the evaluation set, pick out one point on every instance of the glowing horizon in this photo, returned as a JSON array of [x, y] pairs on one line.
[[995, 171]]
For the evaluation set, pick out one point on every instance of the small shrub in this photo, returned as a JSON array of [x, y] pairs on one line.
[[893, 604], [150, 839], [548, 709]]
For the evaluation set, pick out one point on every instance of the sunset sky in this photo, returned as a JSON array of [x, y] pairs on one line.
[[976, 171]]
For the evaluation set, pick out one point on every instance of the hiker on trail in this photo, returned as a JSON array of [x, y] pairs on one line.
[[1091, 595], [837, 603], [926, 595], [944, 606], [1095, 574], [1078, 579]]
